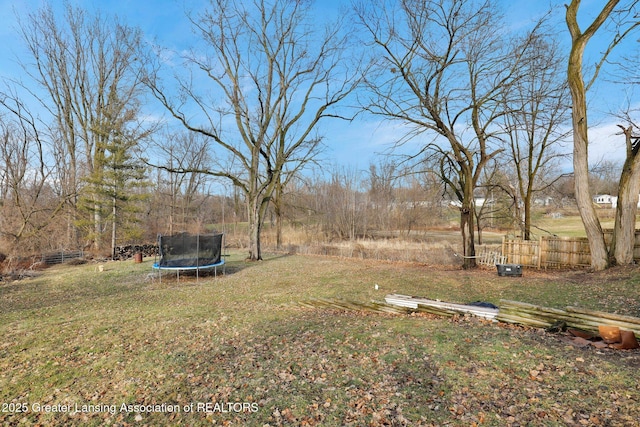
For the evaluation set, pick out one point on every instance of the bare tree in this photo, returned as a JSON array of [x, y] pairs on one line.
[[621, 250], [291, 170], [341, 203], [27, 204], [487, 210], [273, 78], [623, 240], [604, 176], [380, 181], [624, 20], [418, 200], [183, 151], [86, 67], [441, 67], [537, 111]]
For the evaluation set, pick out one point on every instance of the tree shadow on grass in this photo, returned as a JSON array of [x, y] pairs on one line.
[[232, 266]]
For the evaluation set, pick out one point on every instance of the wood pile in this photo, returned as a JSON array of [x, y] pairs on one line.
[[589, 327], [440, 307], [402, 304], [574, 317], [523, 314], [121, 253]]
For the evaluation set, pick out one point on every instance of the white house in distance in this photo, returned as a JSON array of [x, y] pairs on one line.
[[606, 201], [478, 201]]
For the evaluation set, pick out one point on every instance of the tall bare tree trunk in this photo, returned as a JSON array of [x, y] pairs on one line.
[[623, 241], [467, 227], [597, 246], [277, 207], [527, 216], [593, 229], [97, 227], [256, 210], [114, 213]]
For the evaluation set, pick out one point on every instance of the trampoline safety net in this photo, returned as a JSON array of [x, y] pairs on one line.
[[185, 250]]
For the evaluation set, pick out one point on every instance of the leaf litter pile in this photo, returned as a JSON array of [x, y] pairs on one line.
[[262, 364]]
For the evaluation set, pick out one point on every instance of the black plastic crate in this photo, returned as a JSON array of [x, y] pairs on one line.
[[509, 269]]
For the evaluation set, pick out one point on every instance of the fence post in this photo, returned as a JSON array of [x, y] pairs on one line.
[[539, 252]]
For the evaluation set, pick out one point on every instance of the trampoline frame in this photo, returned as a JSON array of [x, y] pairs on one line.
[[156, 265]]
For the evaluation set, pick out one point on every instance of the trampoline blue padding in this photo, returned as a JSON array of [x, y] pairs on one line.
[[157, 266], [185, 252]]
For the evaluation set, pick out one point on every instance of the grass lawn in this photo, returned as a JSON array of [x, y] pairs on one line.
[[83, 347], [571, 226]]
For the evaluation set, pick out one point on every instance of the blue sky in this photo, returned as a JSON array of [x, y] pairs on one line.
[[354, 144]]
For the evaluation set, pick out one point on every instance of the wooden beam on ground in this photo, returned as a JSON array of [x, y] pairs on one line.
[[341, 304], [437, 307], [580, 318], [510, 312]]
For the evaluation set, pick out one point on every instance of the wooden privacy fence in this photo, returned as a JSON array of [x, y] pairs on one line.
[[548, 252], [556, 252], [608, 235]]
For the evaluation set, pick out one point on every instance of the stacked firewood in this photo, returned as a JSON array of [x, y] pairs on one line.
[[121, 253]]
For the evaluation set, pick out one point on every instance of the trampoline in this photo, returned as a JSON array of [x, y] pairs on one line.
[[187, 253]]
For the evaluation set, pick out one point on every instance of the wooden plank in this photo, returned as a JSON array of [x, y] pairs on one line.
[[518, 320], [533, 315], [539, 252], [434, 310], [604, 315], [340, 304], [509, 312], [530, 307], [416, 302]]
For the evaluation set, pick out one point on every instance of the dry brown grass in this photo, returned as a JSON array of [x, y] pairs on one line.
[[442, 253], [437, 246]]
